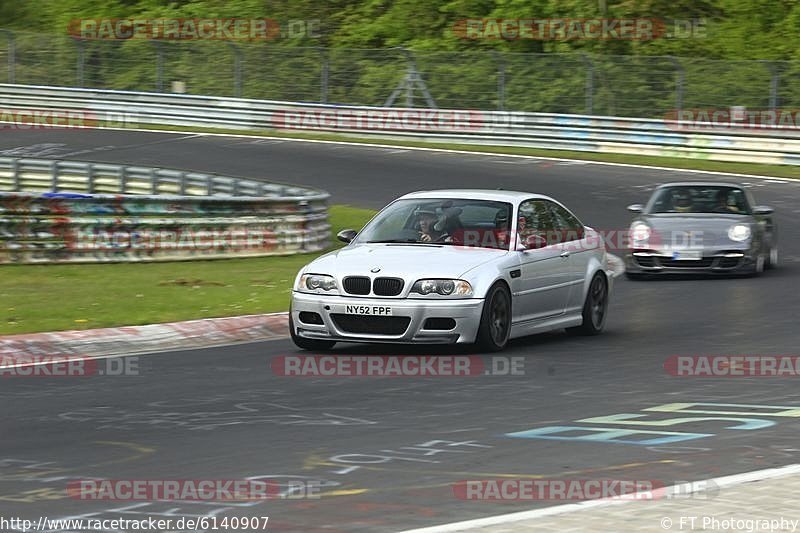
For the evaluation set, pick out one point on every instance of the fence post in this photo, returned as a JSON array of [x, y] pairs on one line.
[[589, 84], [54, 176], [237, 69], [680, 78], [159, 66], [411, 77], [12, 55], [15, 175], [123, 179], [90, 178], [323, 75], [775, 76], [501, 81], [81, 56]]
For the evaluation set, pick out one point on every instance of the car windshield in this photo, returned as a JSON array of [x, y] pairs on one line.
[[699, 199], [448, 221]]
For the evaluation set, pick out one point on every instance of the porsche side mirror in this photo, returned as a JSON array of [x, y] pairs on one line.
[[762, 210], [636, 208], [347, 235]]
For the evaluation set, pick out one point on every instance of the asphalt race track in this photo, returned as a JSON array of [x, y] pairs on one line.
[[387, 451]]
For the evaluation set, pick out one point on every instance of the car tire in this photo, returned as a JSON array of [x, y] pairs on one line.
[[495, 326], [308, 344], [595, 308], [759, 266], [772, 261]]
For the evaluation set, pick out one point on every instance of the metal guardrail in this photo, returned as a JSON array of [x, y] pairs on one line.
[[74, 212], [536, 130]]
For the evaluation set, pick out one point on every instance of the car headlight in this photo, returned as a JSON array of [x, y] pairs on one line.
[[319, 283], [739, 232], [443, 287], [640, 232]]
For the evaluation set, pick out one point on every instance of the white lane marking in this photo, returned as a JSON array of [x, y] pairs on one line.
[[682, 490], [449, 151]]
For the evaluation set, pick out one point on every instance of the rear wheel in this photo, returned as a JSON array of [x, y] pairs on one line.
[[308, 344], [594, 308], [495, 324]]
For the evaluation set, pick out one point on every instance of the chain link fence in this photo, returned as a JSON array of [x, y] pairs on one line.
[[611, 85]]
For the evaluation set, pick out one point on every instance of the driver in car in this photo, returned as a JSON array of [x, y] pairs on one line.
[[427, 232], [725, 203]]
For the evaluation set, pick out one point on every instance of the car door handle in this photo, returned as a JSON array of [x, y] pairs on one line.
[[564, 254]]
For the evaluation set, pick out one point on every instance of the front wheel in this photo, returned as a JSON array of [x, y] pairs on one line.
[[594, 308], [308, 344], [495, 324], [772, 262], [759, 265]]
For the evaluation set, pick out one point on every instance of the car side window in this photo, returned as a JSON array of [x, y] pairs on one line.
[[566, 226], [534, 223]]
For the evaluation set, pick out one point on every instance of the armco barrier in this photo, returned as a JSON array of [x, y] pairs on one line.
[[90, 212], [88, 107]]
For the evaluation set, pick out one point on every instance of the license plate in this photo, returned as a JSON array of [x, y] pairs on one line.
[[377, 310], [688, 255]]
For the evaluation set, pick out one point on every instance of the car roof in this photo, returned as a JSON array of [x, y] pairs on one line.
[[498, 195], [699, 184]]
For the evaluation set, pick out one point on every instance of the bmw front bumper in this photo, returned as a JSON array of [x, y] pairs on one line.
[[325, 318]]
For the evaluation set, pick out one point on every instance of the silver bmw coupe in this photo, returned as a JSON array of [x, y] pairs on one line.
[[692, 227], [455, 266]]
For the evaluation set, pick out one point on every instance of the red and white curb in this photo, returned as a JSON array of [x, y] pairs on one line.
[[19, 350]]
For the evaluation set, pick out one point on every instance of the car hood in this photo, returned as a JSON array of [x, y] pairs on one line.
[[403, 260], [711, 228]]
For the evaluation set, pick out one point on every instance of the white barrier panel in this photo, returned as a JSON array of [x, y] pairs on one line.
[[26, 107]]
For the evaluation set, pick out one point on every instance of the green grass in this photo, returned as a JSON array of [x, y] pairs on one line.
[[60, 297], [782, 171]]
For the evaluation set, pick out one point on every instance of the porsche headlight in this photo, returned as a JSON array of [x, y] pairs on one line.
[[640, 232], [739, 232], [319, 283], [443, 287]]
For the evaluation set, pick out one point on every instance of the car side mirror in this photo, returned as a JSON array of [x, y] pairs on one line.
[[636, 208], [347, 235], [762, 210]]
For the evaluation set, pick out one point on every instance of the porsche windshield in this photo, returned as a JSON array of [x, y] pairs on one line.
[[700, 199], [480, 223]]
